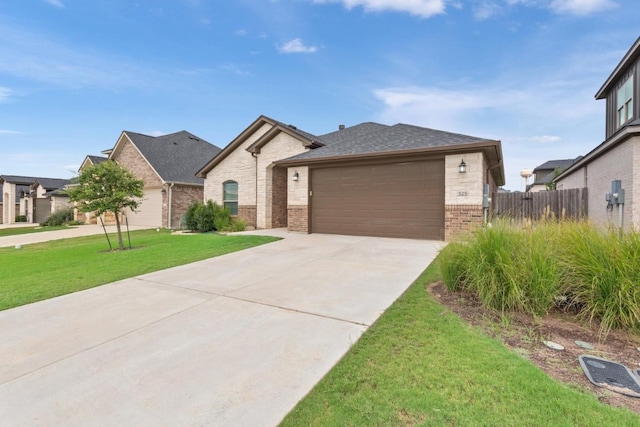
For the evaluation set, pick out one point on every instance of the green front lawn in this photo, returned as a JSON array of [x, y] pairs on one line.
[[14, 231], [45, 270], [421, 365]]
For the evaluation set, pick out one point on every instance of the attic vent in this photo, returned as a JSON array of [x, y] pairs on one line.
[[175, 143], [194, 138], [340, 127], [292, 127]]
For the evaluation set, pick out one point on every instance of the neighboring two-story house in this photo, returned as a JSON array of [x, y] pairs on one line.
[[544, 174], [618, 157], [30, 197]]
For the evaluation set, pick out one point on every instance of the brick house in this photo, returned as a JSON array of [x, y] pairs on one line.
[[167, 164], [618, 156], [368, 179]]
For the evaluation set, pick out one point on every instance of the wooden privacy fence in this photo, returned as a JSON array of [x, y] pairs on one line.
[[544, 204]]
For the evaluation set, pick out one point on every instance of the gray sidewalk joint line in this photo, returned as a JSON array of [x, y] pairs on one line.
[[254, 302]]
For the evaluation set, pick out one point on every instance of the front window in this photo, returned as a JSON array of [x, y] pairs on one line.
[[230, 196], [625, 102]]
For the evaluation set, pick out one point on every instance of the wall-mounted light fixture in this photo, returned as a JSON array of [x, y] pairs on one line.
[[296, 176], [462, 167]]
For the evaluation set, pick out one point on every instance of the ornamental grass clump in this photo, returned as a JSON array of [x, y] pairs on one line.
[[510, 268], [601, 275]]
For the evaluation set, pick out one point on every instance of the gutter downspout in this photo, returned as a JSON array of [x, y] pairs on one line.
[[169, 204]]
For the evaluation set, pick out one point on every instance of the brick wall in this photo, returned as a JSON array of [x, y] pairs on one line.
[[461, 219], [182, 196], [248, 213], [131, 159], [298, 218], [279, 194]]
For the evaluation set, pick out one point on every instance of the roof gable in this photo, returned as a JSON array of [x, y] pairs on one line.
[[554, 164], [174, 157], [627, 61], [277, 127]]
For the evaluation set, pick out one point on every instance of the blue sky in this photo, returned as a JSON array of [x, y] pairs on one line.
[[75, 73]]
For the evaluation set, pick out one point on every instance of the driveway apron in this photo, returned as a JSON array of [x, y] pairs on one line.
[[235, 340]]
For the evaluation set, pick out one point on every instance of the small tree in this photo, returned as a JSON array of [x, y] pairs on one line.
[[551, 186], [106, 187]]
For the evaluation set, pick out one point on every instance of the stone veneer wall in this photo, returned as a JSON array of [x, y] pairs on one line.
[[298, 199], [249, 214], [461, 219], [463, 210], [298, 218]]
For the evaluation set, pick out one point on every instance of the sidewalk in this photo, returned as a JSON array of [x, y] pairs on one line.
[[45, 236]]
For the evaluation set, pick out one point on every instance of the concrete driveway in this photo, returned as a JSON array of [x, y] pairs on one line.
[[235, 340]]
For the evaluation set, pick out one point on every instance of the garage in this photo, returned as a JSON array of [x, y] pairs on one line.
[[149, 213], [399, 199]]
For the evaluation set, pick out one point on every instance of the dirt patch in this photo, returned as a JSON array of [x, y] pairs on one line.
[[525, 335]]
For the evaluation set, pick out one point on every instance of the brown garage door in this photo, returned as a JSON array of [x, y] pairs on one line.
[[388, 200]]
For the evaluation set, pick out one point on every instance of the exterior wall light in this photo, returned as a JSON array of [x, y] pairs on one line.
[[296, 176], [462, 167]]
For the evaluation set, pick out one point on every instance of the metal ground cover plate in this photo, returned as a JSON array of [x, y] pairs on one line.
[[610, 375]]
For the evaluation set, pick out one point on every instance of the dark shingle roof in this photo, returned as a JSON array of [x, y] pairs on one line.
[[97, 159], [294, 129], [353, 132], [50, 184], [370, 138], [24, 183], [554, 164], [175, 157]]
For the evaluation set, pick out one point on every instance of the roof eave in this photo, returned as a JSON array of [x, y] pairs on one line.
[[618, 138], [237, 141], [491, 148], [632, 54], [274, 131]]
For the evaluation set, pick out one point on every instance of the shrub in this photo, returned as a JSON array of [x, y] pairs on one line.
[[60, 217], [21, 218], [190, 217], [207, 217]]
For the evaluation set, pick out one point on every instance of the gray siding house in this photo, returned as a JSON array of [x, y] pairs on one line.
[[618, 156]]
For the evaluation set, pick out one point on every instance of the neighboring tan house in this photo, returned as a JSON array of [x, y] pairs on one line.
[[167, 164], [47, 196], [543, 175], [618, 156], [18, 198], [369, 179]]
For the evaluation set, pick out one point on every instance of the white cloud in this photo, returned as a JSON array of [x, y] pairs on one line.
[[421, 8], [486, 9], [56, 3], [240, 33], [156, 133], [545, 139], [9, 132], [5, 92], [581, 7], [296, 46]]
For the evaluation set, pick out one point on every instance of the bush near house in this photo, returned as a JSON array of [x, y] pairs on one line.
[[548, 264], [21, 218], [60, 217], [206, 217]]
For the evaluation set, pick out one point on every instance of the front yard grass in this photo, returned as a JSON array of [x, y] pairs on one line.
[[14, 231], [420, 364], [45, 270]]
